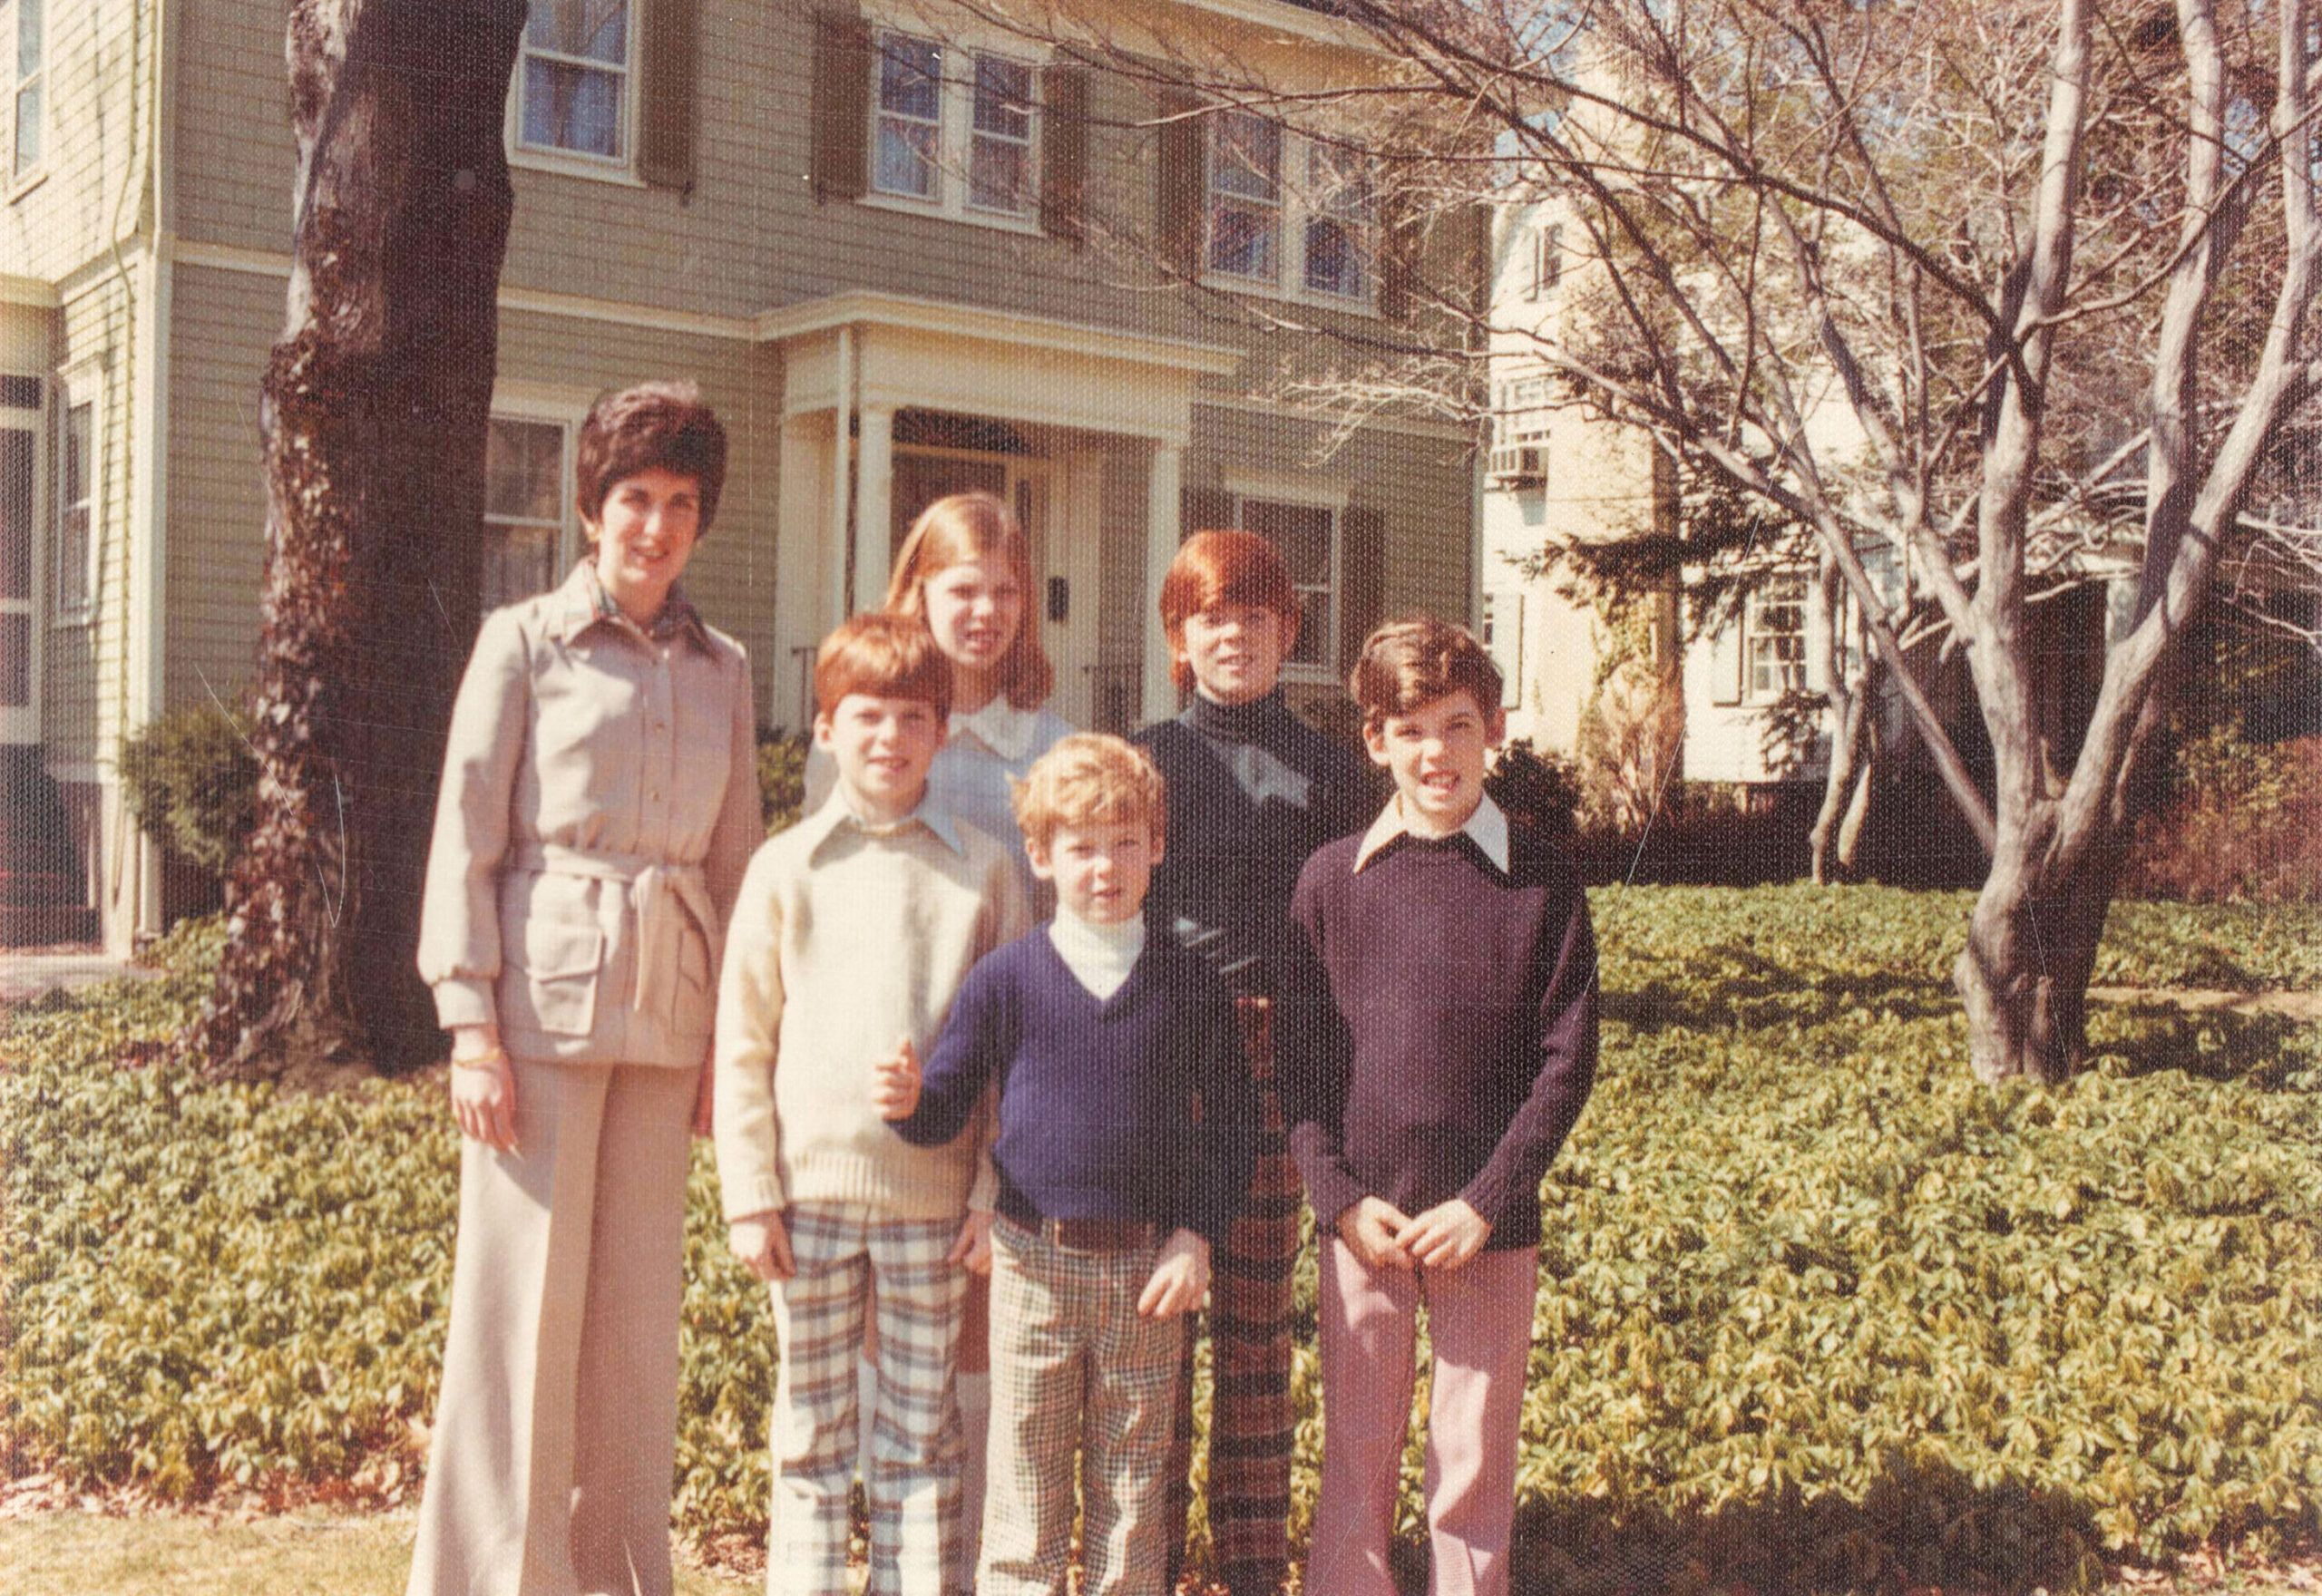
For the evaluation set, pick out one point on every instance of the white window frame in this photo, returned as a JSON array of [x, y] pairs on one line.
[[540, 404], [1295, 211], [24, 175], [957, 61], [620, 169], [1317, 619], [1784, 589], [79, 390], [1543, 267]]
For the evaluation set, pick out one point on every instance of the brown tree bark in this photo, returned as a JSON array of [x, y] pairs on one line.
[[375, 406]]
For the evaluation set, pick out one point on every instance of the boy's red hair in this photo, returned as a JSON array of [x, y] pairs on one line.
[[1408, 662], [1223, 568], [976, 526], [886, 657]]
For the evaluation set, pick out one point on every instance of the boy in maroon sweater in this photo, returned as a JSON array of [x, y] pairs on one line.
[[1437, 1045]]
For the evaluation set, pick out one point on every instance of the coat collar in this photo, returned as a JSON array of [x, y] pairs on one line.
[[582, 602]]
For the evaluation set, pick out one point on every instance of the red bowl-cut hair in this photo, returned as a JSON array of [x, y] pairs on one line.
[[976, 526], [1224, 568]]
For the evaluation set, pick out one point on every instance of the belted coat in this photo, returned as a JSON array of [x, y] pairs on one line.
[[599, 804]]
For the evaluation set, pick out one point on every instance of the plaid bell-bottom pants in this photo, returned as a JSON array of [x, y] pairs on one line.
[[852, 1262], [1075, 1367]]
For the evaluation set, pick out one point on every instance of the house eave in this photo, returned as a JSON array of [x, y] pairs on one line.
[[870, 308]]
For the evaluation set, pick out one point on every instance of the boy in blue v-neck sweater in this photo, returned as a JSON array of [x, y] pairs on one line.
[[1126, 1122]]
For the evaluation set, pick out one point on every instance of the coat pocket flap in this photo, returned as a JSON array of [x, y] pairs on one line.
[[555, 952]]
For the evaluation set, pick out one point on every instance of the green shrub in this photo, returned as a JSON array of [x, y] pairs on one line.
[[191, 778], [782, 777], [1816, 1311]]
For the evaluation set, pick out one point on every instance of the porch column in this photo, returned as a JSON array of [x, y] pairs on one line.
[[804, 552], [874, 462], [1163, 529]]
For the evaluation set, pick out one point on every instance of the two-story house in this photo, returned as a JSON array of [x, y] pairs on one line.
[[902, 251]]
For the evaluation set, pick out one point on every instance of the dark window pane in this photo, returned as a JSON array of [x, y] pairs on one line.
[[572, 108], [16, 448], [16, 661], [76, 453], [1003, 98], [911, 77], [20, 393], [1302, 533], [593, 28]]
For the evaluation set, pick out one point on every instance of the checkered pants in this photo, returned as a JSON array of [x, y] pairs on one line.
[[1072, 1362], [1252, 1427], [852, 1262]]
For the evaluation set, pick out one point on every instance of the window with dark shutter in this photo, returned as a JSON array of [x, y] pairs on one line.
[[842, 109]]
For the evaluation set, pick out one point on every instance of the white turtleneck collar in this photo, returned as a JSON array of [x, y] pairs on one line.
[[1099, 956]]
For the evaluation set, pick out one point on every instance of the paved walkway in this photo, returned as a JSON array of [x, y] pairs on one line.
[[2297, 1006], [27, 972]]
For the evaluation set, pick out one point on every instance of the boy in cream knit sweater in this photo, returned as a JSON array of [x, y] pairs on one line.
[[854, 931]]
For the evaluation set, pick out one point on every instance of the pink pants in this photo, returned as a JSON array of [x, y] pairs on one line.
[[1480, 1317]]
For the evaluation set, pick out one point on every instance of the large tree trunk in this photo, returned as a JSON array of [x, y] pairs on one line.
[[375, 402], [2031, 949]]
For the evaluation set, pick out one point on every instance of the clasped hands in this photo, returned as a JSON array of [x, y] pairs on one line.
[[1384, 1237], [1180, 1278]]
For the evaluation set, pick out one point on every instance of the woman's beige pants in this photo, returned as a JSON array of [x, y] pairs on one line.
[[556, 1431]]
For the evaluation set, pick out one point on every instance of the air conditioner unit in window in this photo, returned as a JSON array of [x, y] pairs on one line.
[[1520, 465]]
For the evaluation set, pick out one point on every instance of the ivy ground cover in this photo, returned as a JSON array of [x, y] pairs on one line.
[[1816, 1311]]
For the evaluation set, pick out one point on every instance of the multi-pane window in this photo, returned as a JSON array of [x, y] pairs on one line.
[[32, 83], [1289, 211], [1338, 220], [1307, 537], [524, 508], [1245, 196], [1773, 640], [75, 513], [999, 137], [574, 78], [910, 147], [953, 127]]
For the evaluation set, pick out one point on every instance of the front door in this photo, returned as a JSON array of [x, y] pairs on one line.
[[1027, 485], [20, 422]]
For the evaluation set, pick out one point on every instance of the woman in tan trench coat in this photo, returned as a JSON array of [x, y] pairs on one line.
[[599, 802]]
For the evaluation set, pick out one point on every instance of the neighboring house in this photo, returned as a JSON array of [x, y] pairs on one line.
[[1555, 475], [873, 246]]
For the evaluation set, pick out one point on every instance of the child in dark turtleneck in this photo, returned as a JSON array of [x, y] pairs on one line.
[[1253, 791]]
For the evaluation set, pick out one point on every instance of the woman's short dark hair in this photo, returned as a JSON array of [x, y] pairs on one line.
[[663, 424]]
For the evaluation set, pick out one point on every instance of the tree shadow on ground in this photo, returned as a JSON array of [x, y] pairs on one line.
[[1732, 984], [1918, 1526], [2270, 1052]]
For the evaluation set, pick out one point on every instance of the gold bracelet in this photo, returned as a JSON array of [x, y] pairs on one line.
[[495, 1055]]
